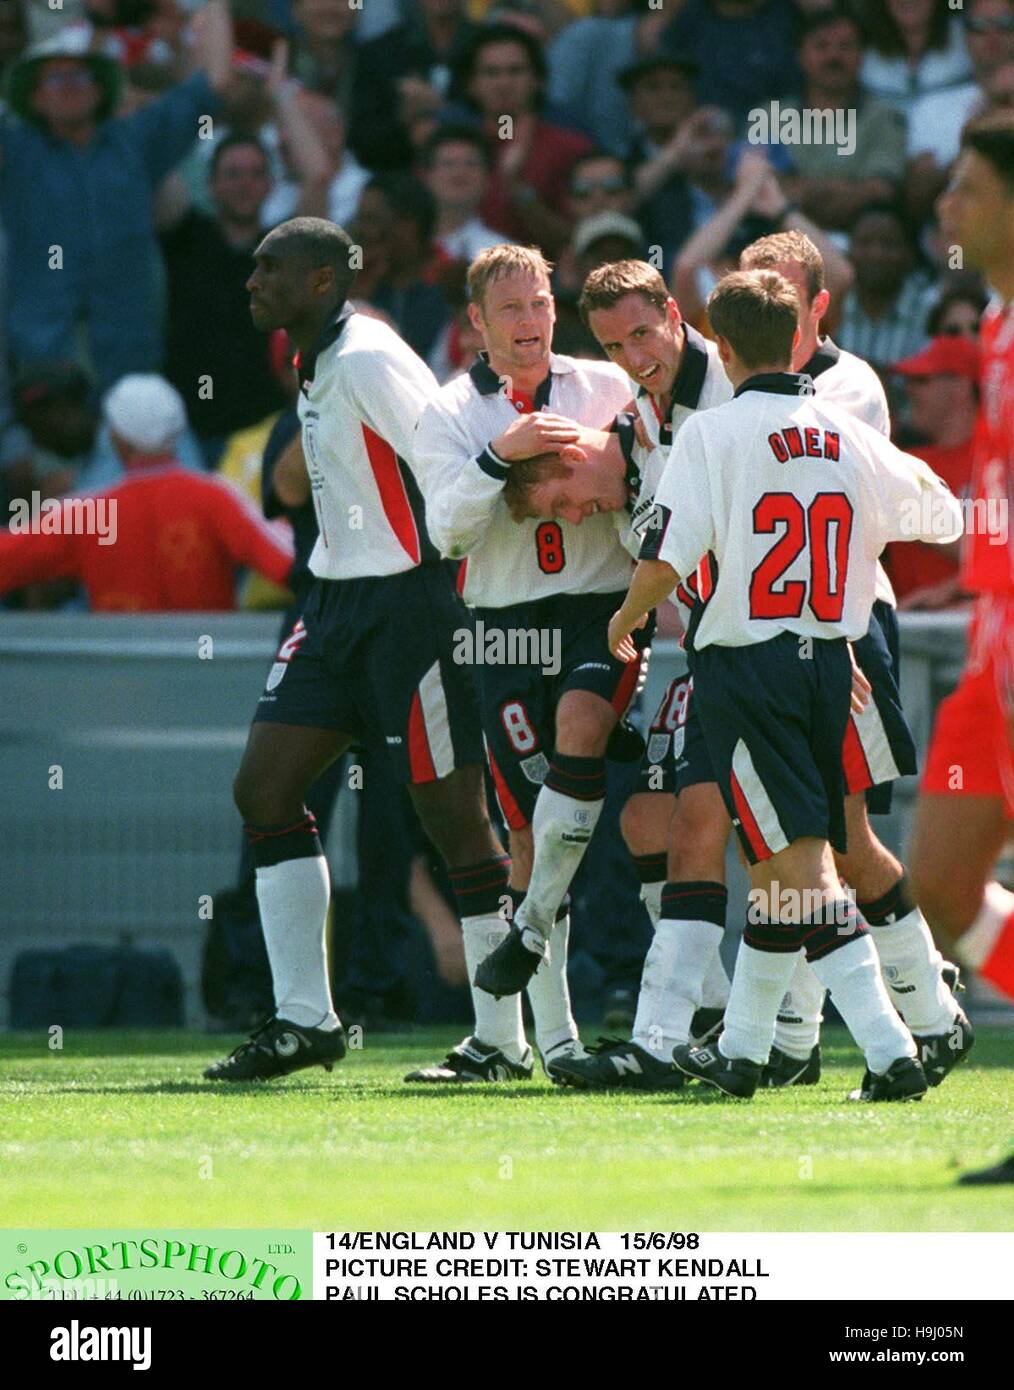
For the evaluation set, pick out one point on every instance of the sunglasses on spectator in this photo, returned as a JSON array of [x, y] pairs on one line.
[[581, 188], [72, 77], [1000, 25]]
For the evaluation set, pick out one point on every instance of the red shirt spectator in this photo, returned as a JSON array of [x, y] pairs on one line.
[[941, 382], [165, 539]]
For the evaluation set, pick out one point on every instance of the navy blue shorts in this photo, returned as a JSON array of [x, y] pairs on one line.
[[879, 747], [518, 697], [774, 724], [676, 753], [374, 658]]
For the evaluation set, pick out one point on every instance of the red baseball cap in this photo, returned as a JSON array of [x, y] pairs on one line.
[[949, 355]]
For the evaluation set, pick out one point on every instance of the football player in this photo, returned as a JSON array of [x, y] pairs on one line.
[[769, 656]]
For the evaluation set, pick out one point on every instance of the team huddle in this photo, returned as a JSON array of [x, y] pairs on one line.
[[751, 482]]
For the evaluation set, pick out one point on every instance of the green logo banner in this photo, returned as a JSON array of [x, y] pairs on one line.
[[156, 1265]]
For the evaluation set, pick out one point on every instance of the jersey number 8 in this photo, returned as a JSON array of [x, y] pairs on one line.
[[549, 547]]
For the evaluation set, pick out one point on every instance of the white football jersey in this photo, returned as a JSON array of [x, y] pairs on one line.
[[700, 383], [361, 391], [842, 378], [462, 481], [781, 504]]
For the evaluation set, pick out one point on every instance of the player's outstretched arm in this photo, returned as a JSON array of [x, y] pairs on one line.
[[914, 503], [653, 581]]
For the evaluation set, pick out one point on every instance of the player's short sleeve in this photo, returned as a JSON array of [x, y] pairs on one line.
[[912, 502], [390, 391], [683, 519]]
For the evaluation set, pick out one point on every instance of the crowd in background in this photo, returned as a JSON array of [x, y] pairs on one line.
[[594, 129]]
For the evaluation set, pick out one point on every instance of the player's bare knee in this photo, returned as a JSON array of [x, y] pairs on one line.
[[644, 822], [583, 728], [699, 834]]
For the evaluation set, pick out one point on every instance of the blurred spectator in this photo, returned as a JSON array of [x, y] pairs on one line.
[[942, 386], [215, 357], [605, 236], [671, 135], [829, 182], [398, 215], [957, 312], [754, 207], [138, 31], [599, 182], [745, 50], [324, 52], [885, 312], [76, 197], [456, 166], [13, 32], [344, 178], [503, 73], [586, 59], [163, 540], [936, 120], [52, 403], [404, 77], [914, 47]]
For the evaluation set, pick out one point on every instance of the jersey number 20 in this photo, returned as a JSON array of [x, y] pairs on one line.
[[825, 528]]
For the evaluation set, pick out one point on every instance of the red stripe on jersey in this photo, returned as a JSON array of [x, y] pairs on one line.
[[393, 497], [459, 583], [998, 967], [512, 812], [705, 580], [624, 692], [659, 412], [420, 759], [854, 761], [751, 829]]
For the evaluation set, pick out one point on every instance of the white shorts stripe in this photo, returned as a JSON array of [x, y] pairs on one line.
[[437, 720], [761, 807], [876, 745]]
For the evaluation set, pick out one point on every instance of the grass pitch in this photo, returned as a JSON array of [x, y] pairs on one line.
[[117, 1129]]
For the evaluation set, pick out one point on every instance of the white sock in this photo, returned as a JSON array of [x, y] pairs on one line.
[[679, 958], [715, 989], [561, 828], [293, 899], [651, 896], [852, 974], [797, 1028], [498, 1022], [549, 993], [759, 983], [910, 964]]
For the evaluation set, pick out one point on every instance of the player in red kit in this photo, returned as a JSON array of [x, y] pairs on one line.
[[966, 803]]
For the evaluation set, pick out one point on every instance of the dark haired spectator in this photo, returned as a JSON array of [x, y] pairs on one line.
[[744, 49], [934, 131], [455, 167], [599, 182], [76, 196], [398, 215], [165, 539], [503, 74], [585, 61], [672, 133], [13, 32], [403, 78], [324, 50], [942, 387], [832, 181], [885, 312], [958, 311], [914, 47], [52, 402], [215, 357]]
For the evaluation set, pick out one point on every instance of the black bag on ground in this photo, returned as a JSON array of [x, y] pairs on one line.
[[96, 987]]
